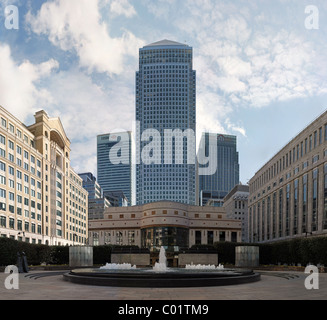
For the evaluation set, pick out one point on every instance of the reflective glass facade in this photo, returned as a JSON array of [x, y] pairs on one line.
[[165, 99], [113, 176], [169, 237], [219, 184]]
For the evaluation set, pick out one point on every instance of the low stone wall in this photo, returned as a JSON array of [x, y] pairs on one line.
[[246, 257], [197, 258], [80, 257], [139, 260]]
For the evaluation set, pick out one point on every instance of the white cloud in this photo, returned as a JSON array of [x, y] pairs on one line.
[[77, 25], [233, 127], [245, 61], [122, 7], [19, 91], [86, 110]]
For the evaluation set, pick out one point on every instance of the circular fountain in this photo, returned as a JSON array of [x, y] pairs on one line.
[[160, 276]]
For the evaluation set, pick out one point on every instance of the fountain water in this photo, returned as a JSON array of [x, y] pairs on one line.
[[162, 265], [203, 267], [126, 275], [114, 266]]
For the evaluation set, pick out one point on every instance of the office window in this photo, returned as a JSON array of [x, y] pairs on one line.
[[2, 193], [2, 139], [197, 237], [325, 198], [314, 199]]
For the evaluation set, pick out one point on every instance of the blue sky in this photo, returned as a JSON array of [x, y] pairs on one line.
[[261, 74]]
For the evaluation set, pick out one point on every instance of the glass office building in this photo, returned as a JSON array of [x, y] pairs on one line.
[[214, 188], [165, 100], [114, 163]]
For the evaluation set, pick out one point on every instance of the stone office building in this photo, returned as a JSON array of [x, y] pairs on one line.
[[236, 206], [164, 223], [288, 195], [41, 197]]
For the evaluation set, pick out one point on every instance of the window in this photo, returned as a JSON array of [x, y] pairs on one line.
[[315, 159], [11, 196], [2, 193], [314, 199], [222, 236], [296, 206], [2, 153], [210, 237], [3, 221], [2, 139], [325, 199], [197, 237]]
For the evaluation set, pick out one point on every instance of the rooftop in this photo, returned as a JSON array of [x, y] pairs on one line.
[[166, 42]]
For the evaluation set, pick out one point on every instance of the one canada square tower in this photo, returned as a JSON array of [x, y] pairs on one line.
[[166, 124]]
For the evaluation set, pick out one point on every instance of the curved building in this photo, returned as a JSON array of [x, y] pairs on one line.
[[164, 223]]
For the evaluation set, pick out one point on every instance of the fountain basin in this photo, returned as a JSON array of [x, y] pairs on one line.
[[170, 278]]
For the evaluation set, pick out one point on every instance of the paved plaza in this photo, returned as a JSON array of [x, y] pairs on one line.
[[273, 286]]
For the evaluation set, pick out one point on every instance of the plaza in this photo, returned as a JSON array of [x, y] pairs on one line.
[[274, 285]]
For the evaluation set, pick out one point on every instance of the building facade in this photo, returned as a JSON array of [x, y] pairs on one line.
[[91, 185], [97, 203], [114, 163], [288, 195], [165, 112], [169, 224], [236, 206], [42, 198], [215, 187]]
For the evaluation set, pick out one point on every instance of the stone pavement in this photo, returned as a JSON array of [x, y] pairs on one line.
[[273, 286]]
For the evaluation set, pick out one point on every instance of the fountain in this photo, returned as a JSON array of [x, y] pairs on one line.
[[203, 267], [160, 276], [114, 266], [162, 265]]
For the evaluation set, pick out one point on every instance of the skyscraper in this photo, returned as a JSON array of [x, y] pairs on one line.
[[114, 163], [216, 186], [165, 112]]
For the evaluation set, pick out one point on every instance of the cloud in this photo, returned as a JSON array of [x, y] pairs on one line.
[[246, 58], [122, 7], [78, 26], [238, 129], [20, 90], [87, 109]]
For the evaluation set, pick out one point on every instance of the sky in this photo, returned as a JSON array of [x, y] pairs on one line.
[[261, 66]]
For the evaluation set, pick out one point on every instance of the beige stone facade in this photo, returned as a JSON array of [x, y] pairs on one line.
[[288, 195], [236, 206], [42, 198], [164, 223]]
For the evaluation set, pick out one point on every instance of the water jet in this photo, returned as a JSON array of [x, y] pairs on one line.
[[160, 276]]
